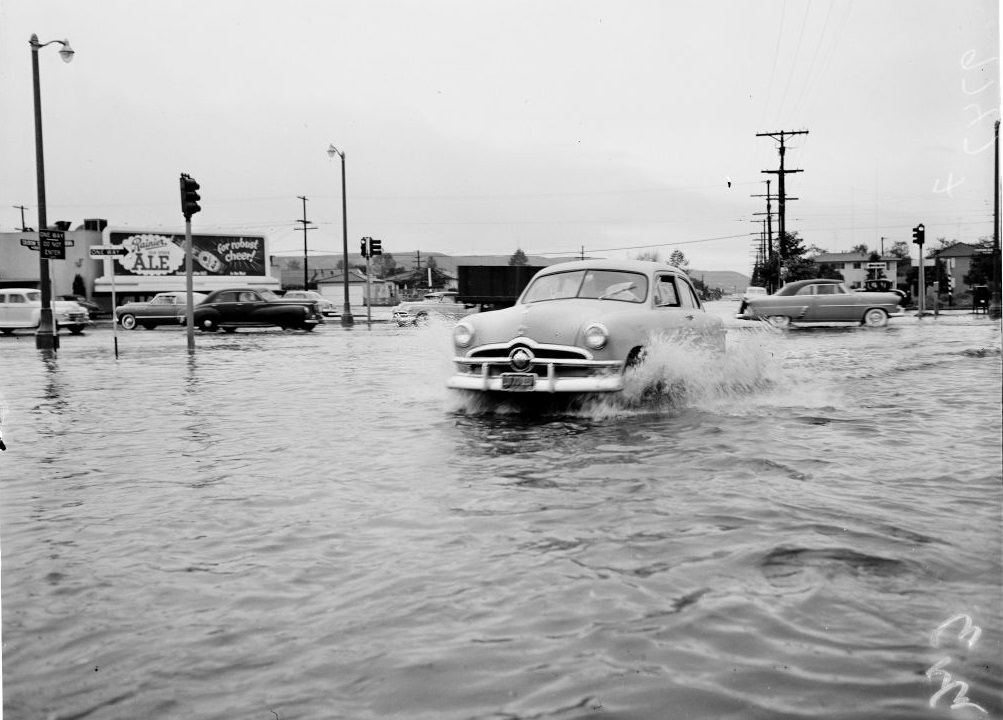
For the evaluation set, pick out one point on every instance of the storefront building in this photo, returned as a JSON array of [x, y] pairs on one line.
[[152, 261]]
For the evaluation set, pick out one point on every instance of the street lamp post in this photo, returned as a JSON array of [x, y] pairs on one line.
[[46, 338], [346, 313]]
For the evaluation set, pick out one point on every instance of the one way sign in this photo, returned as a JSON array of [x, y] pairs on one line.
[[103, 250]]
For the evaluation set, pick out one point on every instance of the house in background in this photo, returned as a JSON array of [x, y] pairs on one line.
[[332, 287], [957, 262], [854, 267]]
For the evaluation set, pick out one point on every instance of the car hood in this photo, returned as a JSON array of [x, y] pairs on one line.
[[557, 322]]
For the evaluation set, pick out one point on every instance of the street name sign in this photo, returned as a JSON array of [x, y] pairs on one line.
[[31, 243], [103, 250]]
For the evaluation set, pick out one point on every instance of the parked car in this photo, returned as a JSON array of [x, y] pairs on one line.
[[92, 308], [250, 307], [166, 308], [577, 327], [435, 304], [823, 301], [326, 307], [21, 309]]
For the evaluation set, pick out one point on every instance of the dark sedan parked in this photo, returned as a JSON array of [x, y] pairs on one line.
[[250, 307], [166, 308]]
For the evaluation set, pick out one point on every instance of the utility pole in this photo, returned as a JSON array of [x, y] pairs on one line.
[[781, 192], [306, 261], [22, 208], [995, 310]]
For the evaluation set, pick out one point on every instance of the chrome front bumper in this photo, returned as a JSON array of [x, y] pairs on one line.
[[608, 377]]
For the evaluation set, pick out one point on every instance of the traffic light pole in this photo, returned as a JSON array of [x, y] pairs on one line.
[[189, 287], [918, 238], [369, 297]]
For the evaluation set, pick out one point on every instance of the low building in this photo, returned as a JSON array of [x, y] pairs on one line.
[[956, 260], [332, 286], [855, 268]]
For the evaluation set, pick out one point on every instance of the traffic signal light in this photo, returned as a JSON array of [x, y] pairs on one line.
[[189, 196], [375, 246], [919, 234]]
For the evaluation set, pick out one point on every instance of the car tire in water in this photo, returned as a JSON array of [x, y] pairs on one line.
[[208, 325], [149, 326], [75, 329], [875, 317], [128, 322], [781, 322]]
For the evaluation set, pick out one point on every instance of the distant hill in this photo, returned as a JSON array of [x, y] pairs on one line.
[[727, 280]]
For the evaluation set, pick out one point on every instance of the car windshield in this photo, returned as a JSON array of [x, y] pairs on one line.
[[593, 284], [34, 296]]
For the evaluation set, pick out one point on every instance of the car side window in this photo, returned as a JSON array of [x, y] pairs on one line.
[[686, 297], [665, 292], [806, 290], [825, 289], [15, 298], [227, 297], [247, 297]]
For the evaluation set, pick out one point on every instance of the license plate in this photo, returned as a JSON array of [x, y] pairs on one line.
[[518, 381]]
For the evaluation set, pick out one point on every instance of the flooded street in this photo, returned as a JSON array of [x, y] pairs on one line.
[[309, 525]]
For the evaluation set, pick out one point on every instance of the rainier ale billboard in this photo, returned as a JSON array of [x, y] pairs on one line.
[[163, 254]]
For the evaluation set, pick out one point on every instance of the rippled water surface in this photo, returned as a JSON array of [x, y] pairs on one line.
[[293, 525]]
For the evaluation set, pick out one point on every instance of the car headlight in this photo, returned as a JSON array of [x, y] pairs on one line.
[[596, 336], [463, 335]]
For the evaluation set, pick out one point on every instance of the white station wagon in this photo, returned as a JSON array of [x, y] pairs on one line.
[[21, 309], [577, 327]]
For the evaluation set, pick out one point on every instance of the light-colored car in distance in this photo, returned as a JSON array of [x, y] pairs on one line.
[[166, 308], [751, 292], [326, 307], [822, 301], [578, 326], [21, 309], [437, 304]]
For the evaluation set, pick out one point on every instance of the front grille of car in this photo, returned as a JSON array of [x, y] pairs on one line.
[[542, 354], [548, 361]]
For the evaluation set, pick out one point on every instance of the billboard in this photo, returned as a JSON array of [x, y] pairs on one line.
[[153, 254]]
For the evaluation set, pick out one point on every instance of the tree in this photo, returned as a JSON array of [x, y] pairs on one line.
[[383, 265], [860, 249], [78, 285], [793, 259], [678, 259], [650, 256], [901, 249], [981, 270], [518, 258]]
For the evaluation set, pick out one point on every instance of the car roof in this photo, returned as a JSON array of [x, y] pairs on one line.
[[791, 287], [641, 266]]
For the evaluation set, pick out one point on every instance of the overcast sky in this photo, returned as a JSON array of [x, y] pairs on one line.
[[476, 127]]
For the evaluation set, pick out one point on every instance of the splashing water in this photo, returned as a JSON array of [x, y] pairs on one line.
[[677, 373]]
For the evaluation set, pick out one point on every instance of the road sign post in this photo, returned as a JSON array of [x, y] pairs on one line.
[[113, 251]]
